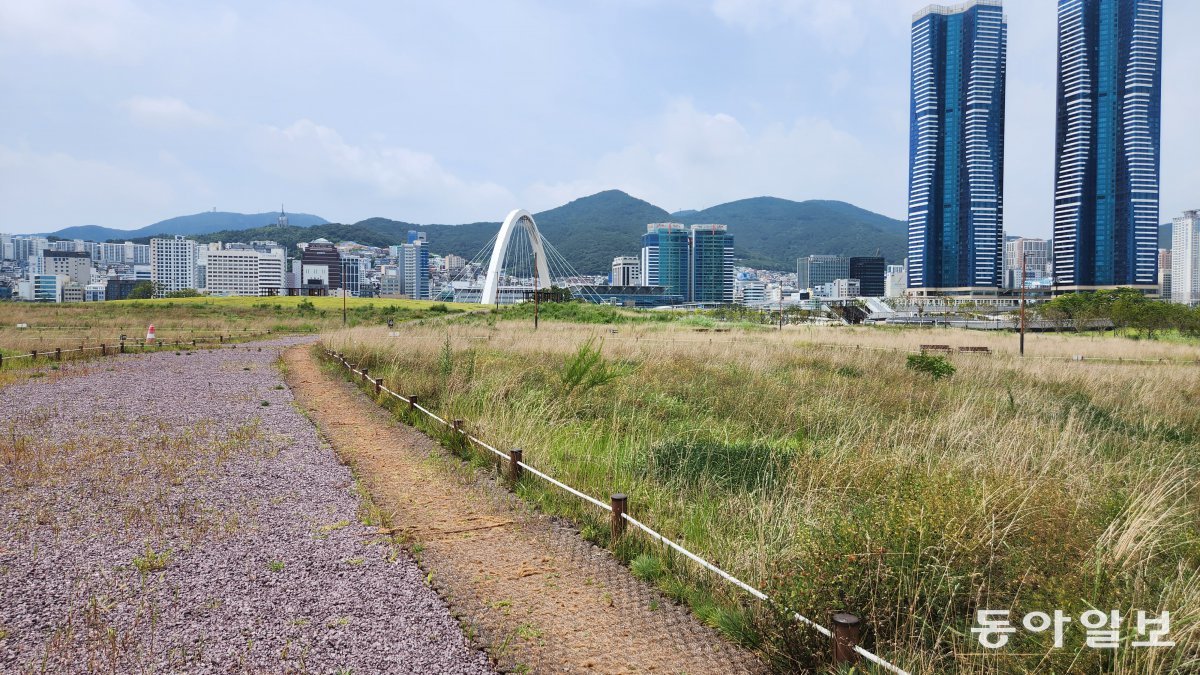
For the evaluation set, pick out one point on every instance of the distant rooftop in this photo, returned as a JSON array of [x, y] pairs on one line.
[[955, 9]]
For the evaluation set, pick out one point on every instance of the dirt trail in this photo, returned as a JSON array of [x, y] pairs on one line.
[[539, 597]]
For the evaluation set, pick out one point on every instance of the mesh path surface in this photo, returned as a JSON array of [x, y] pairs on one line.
[[173, 512], [537, 595]]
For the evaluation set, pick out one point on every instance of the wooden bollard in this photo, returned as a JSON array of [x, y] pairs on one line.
[[366, 378], [221, 339], [457, 425], [1, 360], [122, 346], [619, 505], [514, 464], [378, 385], [412, 402], [847, 629], [33, 356], [103, 351], [58, 353]]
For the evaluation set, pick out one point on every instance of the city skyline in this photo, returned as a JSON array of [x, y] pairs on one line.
[[134, 112]]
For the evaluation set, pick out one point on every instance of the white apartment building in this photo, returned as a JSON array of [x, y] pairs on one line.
[[75, 265], [626, 271], [243, 270], [172, 264], [895, 281], [1185, 259], [838, 289]]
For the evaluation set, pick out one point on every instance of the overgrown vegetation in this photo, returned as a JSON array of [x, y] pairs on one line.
[[839, 479], [933, 365]]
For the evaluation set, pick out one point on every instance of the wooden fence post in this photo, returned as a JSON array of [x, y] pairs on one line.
[[619, 505], [103, 351], [58, 353], [33, 355], [378, 385], [457, 425], [366, 378], [847, 629], [412, 401], [1, 360], [514, 464]]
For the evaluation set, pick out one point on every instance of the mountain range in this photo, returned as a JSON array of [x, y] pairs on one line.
[[768, 232], [198, 223]]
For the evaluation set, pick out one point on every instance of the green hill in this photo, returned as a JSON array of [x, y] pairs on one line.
[[767, 232]]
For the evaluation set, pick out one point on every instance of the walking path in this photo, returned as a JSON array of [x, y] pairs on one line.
[[538, 595], [174, 512]]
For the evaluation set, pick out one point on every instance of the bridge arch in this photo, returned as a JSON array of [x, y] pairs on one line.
[[491, 282]]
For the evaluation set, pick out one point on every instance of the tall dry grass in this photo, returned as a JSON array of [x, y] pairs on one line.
[[836, 479]]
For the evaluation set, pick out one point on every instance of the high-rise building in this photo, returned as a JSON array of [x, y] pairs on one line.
[[1107, 145], [1185, 259], [6, 247], [626, 271], [1164, 273], [666, 258], [694, 263], [711, 265], [239, 269], [956, 153], [414, 267], [172, 264], [75, 265], [320, 265], [1031, 253], [815, 270], [870, 271]]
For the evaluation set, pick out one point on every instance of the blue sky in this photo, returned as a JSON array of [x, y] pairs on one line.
[[123, 112]]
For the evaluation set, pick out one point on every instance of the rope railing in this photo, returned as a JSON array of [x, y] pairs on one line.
[[846, 631]]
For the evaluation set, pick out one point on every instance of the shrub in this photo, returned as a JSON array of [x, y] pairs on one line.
[[588, 369], [936, 366]]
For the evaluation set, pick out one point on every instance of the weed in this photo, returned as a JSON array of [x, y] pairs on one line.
[[151, 560], [936, 366], [275, 565], [588, 369], [265, 404], [647, 567]]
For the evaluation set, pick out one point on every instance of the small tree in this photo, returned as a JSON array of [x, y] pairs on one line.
[[143, 290]]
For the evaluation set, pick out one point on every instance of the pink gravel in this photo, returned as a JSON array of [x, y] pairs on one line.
[[269, 567]]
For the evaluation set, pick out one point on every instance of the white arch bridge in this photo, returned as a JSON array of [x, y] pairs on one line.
[[520, 262]]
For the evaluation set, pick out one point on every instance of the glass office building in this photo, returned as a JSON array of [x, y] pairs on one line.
[[1106, 169], [956, 151], [712, 265]]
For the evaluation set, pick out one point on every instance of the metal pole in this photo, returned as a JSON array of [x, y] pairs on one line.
[[535, 291], [1022, 303]]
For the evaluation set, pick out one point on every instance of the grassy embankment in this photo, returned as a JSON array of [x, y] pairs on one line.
[[835, 478]]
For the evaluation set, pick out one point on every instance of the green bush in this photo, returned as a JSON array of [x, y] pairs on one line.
[[936, 366]]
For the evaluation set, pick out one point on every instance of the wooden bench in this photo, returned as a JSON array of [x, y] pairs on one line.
[[975, 350], [935, 348]]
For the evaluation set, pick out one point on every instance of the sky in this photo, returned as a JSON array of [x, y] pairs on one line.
[[125, 112]]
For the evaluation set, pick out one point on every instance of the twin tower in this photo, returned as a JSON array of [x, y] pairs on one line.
[[1106, 173]]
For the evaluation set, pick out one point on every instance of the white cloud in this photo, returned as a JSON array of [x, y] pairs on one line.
[[688, 158], [414, 182], [47, 191], [839, 25], [96, 28], [166, 112]]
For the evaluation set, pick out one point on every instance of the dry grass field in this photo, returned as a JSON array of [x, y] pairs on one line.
[[815, 465], [72, 324]]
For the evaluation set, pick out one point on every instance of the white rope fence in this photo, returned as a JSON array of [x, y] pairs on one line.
[[633, 521]]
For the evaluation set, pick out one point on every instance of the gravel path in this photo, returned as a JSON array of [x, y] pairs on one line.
[[176, 513]]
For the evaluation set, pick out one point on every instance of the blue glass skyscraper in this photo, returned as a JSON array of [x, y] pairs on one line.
[[1107, 146], [956, 149]]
